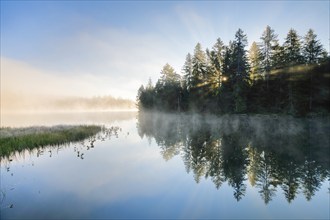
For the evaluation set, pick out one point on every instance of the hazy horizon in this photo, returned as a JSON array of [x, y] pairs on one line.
[[51, 50]]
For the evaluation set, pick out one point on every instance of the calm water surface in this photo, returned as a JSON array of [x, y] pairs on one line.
[[172, 166]]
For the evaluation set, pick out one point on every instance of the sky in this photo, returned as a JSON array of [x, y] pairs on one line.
[[95, 48]]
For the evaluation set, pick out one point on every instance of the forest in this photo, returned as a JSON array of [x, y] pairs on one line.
[[292, 78]]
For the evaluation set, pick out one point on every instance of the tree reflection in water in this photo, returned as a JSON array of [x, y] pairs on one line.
[[272, 152]]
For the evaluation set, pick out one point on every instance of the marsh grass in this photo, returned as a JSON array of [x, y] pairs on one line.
[[19, 139]]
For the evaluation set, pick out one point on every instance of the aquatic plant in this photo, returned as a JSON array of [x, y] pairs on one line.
[[18, 139]]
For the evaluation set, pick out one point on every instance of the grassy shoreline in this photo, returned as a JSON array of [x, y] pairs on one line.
[[18, 139]]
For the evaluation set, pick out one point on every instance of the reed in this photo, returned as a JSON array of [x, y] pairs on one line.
[[19, 139]]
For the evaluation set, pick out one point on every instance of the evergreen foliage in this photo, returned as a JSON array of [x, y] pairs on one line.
[[293, 78], [255, 62], [292, 48]]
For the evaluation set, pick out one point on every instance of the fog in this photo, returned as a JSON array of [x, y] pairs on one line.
[[26, 89], [282, 133], [65, 118]]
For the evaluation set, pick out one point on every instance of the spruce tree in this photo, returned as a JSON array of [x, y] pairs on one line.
[[168, 89], [312, 48], [278, 56], [187, 71], [255, 62], [168, 75], [292, 49], [215, 65], [199, 66], [240, 71], [268, 40], [239, 57]]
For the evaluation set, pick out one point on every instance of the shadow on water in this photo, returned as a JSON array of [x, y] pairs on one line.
[[272, 153]]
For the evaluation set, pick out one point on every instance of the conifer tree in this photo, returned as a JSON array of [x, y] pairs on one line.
[[218, 61], [187, 71], [227, 60], [292, 48], [312, 48], [255, 62], [278, 56], [215, 65], [168, 75], [241, 71], [168, 89], [268, 40], [239, 57], [199, 66]]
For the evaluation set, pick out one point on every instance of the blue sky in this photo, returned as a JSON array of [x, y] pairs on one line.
[[112, 47]]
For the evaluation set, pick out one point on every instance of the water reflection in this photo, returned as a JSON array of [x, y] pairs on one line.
[[80, 148], [272, 153]]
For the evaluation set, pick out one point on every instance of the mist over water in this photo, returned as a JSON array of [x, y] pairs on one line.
[[273, 153], [28, 89], [64, 118], [158, 165]]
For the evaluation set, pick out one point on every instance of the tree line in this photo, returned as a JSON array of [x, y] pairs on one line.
[[292, 78]]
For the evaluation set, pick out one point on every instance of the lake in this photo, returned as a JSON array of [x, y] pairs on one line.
[[172, 166]]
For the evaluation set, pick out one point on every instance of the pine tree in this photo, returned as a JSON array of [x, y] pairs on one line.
[[218, 61], [312, 51], [312, 48], [149, 85], [268, 40], [199, 66], [241, 71], [227, 60], [278, 56], [239, 57], [225, 99], [187, 71], [255, 62], [292, 48], [139, 97], [292, 56], [199, 78], [215, 65], [146, 96], [168, 89], [168, 74]]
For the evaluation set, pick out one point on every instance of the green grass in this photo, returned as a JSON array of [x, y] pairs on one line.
[[19, 139]]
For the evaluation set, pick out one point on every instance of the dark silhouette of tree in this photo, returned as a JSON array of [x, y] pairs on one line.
[[199, 74], [312, 51], [234, 163], [312, 48], [268, 40], [265, 179], [292, 48], [286, 79], [278, 56], [240, 75], [168, 89]]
